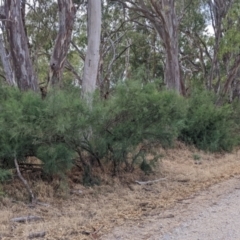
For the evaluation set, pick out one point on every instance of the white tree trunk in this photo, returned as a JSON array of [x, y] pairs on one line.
[[92, 55]]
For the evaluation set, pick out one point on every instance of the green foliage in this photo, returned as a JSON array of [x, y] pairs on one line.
[[56, 157], [61, 125], [208, 126], [17, 121], [23, 131], [142, 113], [230, 39], [236, 118], [119, 131], [196, 157], [135, 114], [4, 175]]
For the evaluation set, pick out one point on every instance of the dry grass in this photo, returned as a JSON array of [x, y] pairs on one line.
[[78, 212]]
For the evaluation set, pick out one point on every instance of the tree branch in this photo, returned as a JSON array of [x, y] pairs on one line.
[[30, 192]]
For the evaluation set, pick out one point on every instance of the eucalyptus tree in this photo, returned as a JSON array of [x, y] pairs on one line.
[[9, 75], [165, 16], [229, 50], [66, 11], [18, 46], [42, 27], [115, 49], [28, 49], [195, 45], [218, 10], [92, 55], [224, 48]]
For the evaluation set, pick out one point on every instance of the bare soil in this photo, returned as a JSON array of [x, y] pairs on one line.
[[120, 208]]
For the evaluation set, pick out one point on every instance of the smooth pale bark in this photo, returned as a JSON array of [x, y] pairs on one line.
[[172, 69], [167, 24], [18, 45], [67, 12], [92, 55], [162, 14], [7, 68]]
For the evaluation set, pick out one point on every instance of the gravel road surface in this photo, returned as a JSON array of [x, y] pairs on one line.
[[212, 214]]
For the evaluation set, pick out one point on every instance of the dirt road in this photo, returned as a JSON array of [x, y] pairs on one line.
[[208, 215]]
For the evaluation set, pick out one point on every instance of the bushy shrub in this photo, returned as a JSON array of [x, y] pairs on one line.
[[18, 118], [59, 133], [236, 118], [25, 130], [135, 114], [208, 126], [4, 175], [63, 126]]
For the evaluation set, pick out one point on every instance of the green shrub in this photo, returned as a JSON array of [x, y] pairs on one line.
[[61, 125], [236, 119], [23, 131], [17, 124], [143, 113], [133, 115], [208, 126], [4, 175]]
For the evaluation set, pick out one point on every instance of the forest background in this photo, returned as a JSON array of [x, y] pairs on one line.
[[100, 83]]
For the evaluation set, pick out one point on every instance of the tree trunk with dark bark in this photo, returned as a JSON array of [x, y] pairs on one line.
[[7, 68], [67, 12], [18, 44]]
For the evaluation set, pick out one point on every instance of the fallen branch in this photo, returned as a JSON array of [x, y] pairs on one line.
[[167, 216], [183, 180], [33, 205], [150, 182], [30, 192], [43, 204], [98, 230], [26, 219], [36, 235], [94, 235]]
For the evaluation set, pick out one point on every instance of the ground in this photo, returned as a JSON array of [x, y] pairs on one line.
[[120, 205], [211, 214]]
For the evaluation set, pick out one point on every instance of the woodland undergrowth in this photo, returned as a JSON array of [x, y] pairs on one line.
[[62, 130]]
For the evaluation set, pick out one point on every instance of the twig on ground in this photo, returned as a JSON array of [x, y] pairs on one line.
[[94, 234], [150, 182], [36, 235], [26, 219], [43, 204], [96, 231], [167, 216]]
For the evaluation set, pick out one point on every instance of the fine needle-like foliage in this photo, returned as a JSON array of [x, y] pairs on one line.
[[208, 126], [123, 128]]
